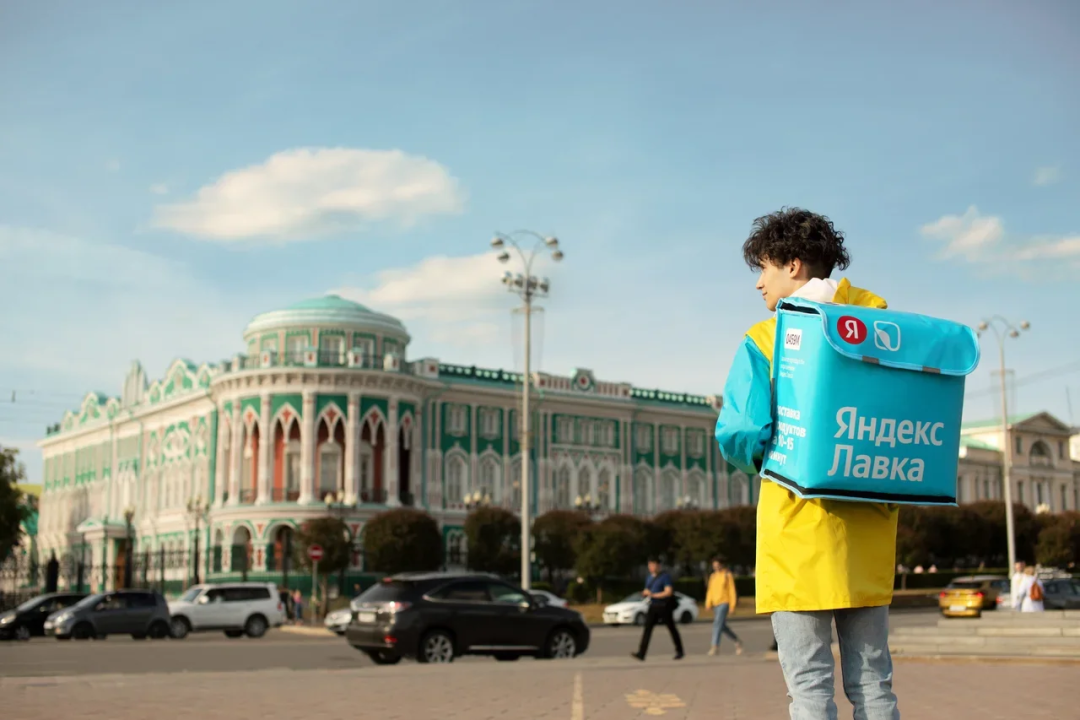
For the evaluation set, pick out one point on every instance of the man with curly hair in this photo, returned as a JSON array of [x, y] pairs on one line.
[[818, 561]]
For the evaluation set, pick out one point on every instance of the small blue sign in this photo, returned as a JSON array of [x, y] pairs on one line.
[[867, 403]]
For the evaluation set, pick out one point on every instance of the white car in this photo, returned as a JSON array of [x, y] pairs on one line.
[[338, 621], [631, 610], [234, 608], [548, 598]]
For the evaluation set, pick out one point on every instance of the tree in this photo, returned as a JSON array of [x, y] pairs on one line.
[[738, 536], [333, 536], [610, 549], [554, 536], [12, 508], [1059, 541], [493, 535], [994, 544], [403, 540]]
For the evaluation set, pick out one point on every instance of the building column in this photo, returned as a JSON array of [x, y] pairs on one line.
[[416, 452], [220, 470], [352, 440], [434, 487], [307, 449], [390, 457], [474, 463], [236, 461], [266, 441]]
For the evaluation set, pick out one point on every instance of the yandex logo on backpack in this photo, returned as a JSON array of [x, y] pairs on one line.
[[852, 330]]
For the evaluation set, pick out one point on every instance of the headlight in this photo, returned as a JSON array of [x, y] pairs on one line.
[[5, 619], [62, 618]]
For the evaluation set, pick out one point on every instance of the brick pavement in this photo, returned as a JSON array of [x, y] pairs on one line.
[[606, 690]]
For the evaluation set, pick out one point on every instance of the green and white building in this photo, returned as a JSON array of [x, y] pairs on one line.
[[327, 403]]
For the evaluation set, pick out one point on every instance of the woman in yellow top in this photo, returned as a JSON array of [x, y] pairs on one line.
[[721, 599]]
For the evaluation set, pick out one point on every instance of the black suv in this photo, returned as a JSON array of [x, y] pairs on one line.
[[434, 617]]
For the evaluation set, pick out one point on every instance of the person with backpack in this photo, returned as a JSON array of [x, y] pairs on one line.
[[818, 561], [1031, 592]]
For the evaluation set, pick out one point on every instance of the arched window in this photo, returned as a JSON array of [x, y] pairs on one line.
[[585, 489], [241, 550], [372, 451], [697, 489], [249, 468], [1040, 454], [561, 497], [669, 490], [331, 454], [457, 478], [454, 550], [489, 478], [280, 549], [643, 496], [219, 542], [515, 484], [605, 490]]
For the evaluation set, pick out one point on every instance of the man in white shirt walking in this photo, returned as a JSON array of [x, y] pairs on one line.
[[1016, 583]]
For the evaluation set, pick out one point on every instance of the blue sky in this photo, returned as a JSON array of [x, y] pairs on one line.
[[168, 170]]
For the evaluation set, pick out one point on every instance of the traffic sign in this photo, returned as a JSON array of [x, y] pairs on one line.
[[314, 553]]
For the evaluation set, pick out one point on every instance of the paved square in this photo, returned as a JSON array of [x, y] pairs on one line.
[[576, 690]]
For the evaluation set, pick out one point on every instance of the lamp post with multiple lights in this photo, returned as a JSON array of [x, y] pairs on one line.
[[1003, 330], [198, 509], [528, 287]]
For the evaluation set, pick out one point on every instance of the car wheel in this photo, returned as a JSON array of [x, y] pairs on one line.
[[22, 633], [639, 619], [382, 657], [561, 645], [234, 633], [436, 647], [686, 618], [83, 631], [179, 627], [255, 627], [159, 630]]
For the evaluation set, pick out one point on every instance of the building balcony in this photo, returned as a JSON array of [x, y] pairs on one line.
[[280, 495], [248, 496], [351, 359], [373, 496]]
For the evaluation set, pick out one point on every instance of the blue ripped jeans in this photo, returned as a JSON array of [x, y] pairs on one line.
[[804, 641], [720, 613]]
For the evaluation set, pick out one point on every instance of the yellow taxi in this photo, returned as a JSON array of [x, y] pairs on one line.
[[968, 596]]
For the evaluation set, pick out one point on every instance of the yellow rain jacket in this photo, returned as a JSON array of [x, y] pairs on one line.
[[811, 554], [721, 590]]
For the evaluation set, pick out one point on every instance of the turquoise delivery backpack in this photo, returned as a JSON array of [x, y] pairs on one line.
[[867, 403]]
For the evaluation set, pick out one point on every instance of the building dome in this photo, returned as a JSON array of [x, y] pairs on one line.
[[330, 313]]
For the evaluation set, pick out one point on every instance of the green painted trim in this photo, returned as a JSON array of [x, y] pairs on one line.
[[324, 401], [211, 448], [367, 403], [294, 400], [255, 403]]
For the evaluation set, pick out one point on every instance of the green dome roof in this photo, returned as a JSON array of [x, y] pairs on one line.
[[329, 302], [327, 311]]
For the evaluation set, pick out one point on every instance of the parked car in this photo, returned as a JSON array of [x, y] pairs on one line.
[[243, 608], [139, 613], [436, 617], [631, 610], [1061, 594], [970, 595], [550, 598], [28, 619], [338, 621]]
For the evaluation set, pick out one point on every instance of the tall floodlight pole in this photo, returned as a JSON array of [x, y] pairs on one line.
[[528, 287], [1003, 329]]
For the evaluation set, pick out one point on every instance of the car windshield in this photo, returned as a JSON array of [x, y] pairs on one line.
[[636, 597], [30, 604], [88, 601], [191, 594], [383, 592], [965, 585]]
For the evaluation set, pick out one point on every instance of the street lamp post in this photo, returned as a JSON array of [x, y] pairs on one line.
[[528, 287], [686, 503], [477, 500], [129, 514], [197, 508], [587, 504], [1003, 329]]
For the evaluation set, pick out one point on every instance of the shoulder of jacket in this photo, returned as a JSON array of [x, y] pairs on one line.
[[762, 335]]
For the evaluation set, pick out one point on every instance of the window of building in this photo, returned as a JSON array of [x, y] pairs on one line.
[[562, 489], [669, 440], [456, 480], [1020, 491], [610, 428], [365, 346], [959, 488], [1061, 450], [604, 489], [292, 467], [1019, 445], [489, 422], [295, 346], [696, 444], [329, 468], [1040, 454], [331, 349], [643, 439], [269, 344], [457, 419], [564, 430], [489, 478], [367, 470], [986, 489]]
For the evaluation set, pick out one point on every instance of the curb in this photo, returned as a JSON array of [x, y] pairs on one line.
[[309, 631]]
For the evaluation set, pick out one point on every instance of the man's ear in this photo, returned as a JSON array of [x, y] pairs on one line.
[[794, 268]]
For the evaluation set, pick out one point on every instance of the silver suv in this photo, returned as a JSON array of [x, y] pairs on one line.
[[235, 608]]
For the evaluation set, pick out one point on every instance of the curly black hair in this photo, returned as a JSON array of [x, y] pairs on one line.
[[796, 234]]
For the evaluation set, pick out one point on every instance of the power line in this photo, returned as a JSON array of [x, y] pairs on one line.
[[1029, 379]]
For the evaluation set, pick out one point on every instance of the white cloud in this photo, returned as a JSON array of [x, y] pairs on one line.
[[159, 189], [971, 235], [1068, 247], [302, 193], [456, 301], [1047, 175]]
